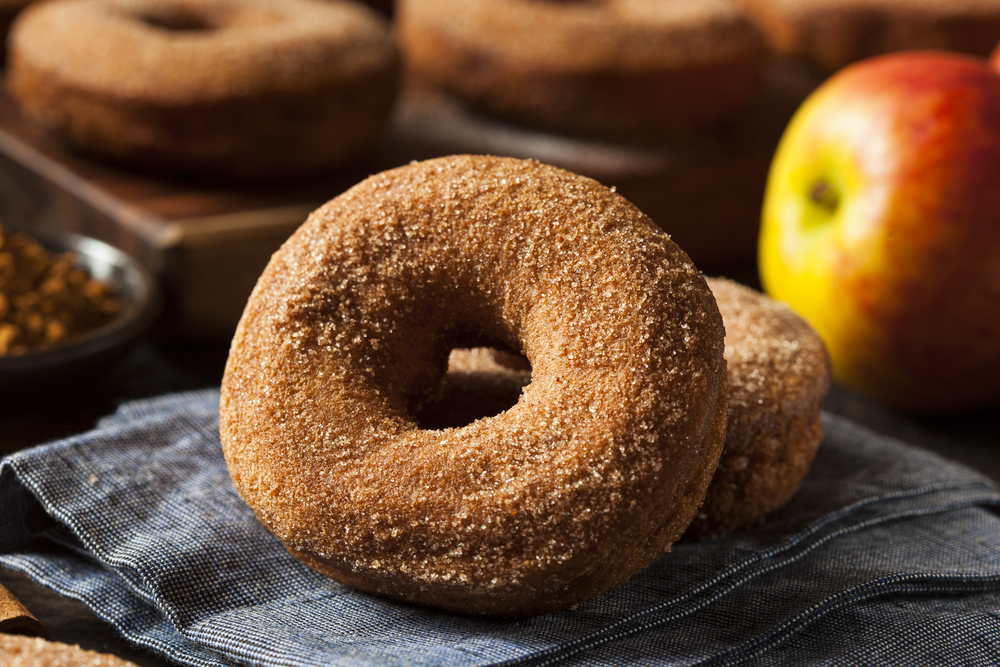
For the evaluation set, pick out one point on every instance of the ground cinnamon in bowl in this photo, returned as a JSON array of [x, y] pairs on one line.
[[45, 298]]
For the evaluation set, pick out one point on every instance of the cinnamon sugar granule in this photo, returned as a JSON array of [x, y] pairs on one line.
[[46, 299], [18, 651]]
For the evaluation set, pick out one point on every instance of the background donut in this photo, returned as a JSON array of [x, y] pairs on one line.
[[619, 67], [480, 382], [223, 89], [586, 480], [830, 34], [779, 374]]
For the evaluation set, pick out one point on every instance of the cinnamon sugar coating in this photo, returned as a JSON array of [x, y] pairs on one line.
[[779, 373], [612, 67], [21, 651], [592, 475], [230, 89]]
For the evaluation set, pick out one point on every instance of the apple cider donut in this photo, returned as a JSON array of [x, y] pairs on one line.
[[592, 475], [611, 67], [779, 373], [24, 651], [831, 34], [228, 89]]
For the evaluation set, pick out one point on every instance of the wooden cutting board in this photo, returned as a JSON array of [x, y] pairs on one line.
[[208, 243]]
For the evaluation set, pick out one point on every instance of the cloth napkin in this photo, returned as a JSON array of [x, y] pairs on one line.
[[888, 554]]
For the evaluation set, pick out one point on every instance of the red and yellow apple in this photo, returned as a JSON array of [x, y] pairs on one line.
[[881, 226]]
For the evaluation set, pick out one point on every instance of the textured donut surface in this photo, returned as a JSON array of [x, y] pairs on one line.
[[615, 67], [22, 651], [779, 373], [224, 88], [591, 476]]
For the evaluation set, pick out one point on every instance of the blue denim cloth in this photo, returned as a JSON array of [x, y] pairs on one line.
[[887, 555]]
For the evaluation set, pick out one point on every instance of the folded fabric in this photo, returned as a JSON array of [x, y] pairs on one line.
[[887, 554]]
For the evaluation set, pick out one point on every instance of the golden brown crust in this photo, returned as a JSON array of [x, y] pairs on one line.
[[224, 88], [611, 67], [21, 651], [779, 373], [833, 33], [591, 476]]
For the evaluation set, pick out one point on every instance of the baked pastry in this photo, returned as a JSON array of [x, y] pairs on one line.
[[833, 33], [22, 651], [779, 374], [223, 89], [616, 67], [595, 472]]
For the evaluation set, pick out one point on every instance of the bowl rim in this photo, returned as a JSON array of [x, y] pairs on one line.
[[142, 306]]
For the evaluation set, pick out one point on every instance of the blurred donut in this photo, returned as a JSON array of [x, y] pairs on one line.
[[228, 89], [833, 33], [9, 9], [779, 374], [617, 67]]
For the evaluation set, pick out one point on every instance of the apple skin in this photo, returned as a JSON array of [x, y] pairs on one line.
[[881, 226]]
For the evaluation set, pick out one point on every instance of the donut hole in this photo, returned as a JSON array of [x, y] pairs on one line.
[[480, 382], [175, 19]]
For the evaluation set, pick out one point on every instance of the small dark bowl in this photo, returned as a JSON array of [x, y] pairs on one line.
[[68, 367]]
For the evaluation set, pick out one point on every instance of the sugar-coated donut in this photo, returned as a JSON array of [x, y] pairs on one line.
[[228, 89], [19, 650], [779, 373], [615, 67], [592, 475], [833, 33]]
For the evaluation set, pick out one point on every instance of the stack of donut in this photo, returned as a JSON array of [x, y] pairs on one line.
[[622, 66], [335, 434], [218, 89]]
